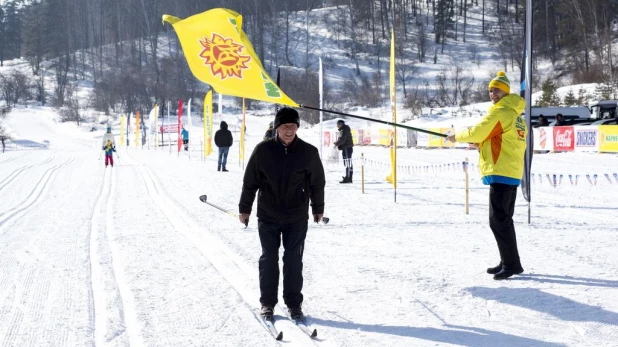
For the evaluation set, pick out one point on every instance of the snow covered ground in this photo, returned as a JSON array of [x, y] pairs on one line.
[[130, 256]]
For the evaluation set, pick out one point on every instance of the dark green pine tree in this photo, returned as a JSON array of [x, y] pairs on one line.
[[570, 99], [549, 96]]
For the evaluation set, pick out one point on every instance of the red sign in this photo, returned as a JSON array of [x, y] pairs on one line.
[[169, 128], [564, 138], [326, 138]]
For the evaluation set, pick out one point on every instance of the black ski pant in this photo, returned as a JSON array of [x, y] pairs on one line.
[[501, 208], [346, 153], [293, 235]]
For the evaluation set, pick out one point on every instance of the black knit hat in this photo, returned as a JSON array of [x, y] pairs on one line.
[[341, 121], [287, 115]]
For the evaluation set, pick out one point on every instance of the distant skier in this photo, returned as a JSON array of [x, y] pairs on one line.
[[109, 149], [185, 137], [2, 139], [223, 140]]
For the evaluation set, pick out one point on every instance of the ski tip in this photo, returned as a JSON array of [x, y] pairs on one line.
[[203, 198], [280, 336], [314, 333]]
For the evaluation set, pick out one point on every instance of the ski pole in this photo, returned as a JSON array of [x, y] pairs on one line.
[[204, 199]]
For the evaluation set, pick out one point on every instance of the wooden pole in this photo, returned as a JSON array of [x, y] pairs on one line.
[[363, 172], [465, 166]]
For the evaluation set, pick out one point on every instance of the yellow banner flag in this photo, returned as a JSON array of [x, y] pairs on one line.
[[208, 123], [123, 129], [392, 178], [137, 128], [220, 54]]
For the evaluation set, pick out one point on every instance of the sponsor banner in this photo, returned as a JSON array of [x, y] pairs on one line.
[[169, 128], [435, 141], [385, 137], [354, 136], [564, 138], [402, 137], [422, 139], [445, 143], [608, 138], [586, 139], [543, 139]]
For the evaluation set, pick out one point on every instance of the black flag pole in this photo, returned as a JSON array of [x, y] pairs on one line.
[[526, 85], [274, 131], [376, 120]]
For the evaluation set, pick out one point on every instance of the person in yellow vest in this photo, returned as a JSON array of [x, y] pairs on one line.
[[501, 137], [109, 149]]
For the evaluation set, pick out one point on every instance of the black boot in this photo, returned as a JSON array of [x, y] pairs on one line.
[[508, 271], [296, 313], [350, 177], [345, 179], [267, 312], [494, 270], [517, 269], [224, 169], [218, 168]]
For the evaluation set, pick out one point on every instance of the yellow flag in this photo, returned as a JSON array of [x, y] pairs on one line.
[[392, 178], [208, 123], [137, 128], [220, 54], [123, 128]]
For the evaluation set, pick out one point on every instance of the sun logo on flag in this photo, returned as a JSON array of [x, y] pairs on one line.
[[223, 56]]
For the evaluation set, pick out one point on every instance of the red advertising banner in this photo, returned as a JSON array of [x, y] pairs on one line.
[[179, 125], [327, 138], [564, 138]]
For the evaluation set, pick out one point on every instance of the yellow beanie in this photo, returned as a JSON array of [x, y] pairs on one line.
[[501, 82]]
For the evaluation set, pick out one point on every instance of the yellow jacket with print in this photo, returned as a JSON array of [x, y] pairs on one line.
[[501, 136]]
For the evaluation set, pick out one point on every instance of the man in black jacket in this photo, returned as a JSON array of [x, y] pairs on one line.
[[345, 144], [288, 173], [223, 140]]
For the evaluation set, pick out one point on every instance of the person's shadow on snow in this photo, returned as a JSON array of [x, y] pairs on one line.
[[452, 334], [540, 301], [570, 280]]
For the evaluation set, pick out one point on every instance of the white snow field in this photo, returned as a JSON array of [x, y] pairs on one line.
[[130, 257]]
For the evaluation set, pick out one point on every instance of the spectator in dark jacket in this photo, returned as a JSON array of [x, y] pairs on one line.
[[288, 173], [223, 140], [542, 122], [345, 145], [269, 134], [560, 120]]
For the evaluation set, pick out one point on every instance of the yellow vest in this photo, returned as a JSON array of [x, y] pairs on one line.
[[501, 136]]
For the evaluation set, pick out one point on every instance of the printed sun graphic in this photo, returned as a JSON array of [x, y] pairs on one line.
[[223, 56]]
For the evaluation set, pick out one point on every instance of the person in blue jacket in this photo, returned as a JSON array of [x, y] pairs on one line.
[[185, 137], [109, 149]]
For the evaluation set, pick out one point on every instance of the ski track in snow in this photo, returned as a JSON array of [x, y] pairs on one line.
[[10, 177], [35, 195]]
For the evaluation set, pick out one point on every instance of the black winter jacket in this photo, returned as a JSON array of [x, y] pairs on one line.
[[223, 137], [345, 138], [287, 178]]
